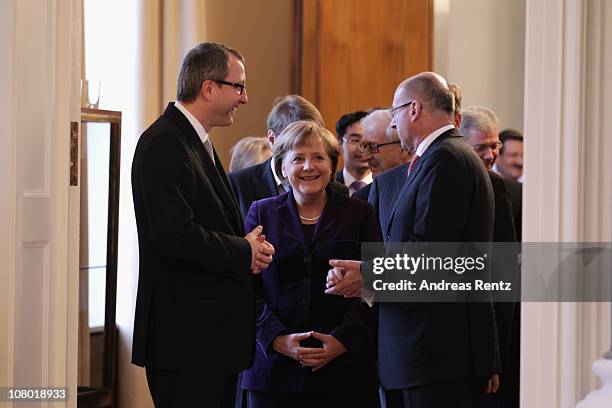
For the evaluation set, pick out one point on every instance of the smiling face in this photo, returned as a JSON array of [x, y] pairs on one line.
[[485, 144], [510, 163], [353, 158], [228, 97], [308, 168], [377, 131]]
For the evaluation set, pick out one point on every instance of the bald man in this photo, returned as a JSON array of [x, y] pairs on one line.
[[433, 354]]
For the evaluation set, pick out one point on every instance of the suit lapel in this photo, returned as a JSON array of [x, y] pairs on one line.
[[404, 189], [227, 193], [414, 175], [333, 212], [267, 178], [392, 190], [288, 218], [214, 174]]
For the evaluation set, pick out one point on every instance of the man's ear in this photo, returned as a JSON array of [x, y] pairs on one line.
[[414, 110], [458, 120], [207, 90], [271, 138]]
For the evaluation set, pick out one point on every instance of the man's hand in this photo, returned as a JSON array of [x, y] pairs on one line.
[[344, 279], [261, 250], [318, 357], [493, 384], [289, 345]]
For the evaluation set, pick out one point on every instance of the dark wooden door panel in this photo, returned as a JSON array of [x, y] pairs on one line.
[[351, 54]]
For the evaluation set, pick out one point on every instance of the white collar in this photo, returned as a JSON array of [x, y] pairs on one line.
[[194, 122], [496, 170], [349, 179], [430, 138], [276, 178]]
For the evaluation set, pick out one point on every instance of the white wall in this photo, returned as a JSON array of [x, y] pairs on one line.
[[7, 187], [39, 48], [567, 190], [480, 45]]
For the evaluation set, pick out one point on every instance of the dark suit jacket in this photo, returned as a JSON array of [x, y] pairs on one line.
[[504, 232], [507, 192], [257, 182], [195, 305], [447, 198], [340, 176], [515, 189], [292, 298], [383, 193]]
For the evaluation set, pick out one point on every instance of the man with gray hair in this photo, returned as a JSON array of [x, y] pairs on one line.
[[388, 161], [194, 326], [381, 146], [480, 127]]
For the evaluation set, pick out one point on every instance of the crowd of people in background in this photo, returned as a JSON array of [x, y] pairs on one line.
[[250, 288]]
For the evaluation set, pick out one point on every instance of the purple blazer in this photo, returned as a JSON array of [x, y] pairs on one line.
[[291, 299]]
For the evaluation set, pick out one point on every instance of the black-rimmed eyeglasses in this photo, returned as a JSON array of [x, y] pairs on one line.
[[373, 147], [239, 87], [393, 111]]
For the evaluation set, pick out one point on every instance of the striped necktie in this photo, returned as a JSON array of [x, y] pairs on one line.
[[413, 163], [209, 148]]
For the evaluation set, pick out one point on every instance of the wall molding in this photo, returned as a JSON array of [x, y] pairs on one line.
[[566, 192]]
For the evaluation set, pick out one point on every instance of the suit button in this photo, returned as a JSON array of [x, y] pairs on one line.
[[306, 259]]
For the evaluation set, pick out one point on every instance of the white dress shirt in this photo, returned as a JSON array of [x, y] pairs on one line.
[[420, 150], [198, 128]]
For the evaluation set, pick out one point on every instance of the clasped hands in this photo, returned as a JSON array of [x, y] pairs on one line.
[[261, 250], [315, 357], [344, 278]]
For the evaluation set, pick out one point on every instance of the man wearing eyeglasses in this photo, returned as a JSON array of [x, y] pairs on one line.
[[194, 326], [480, 127], [387, 160], [433, 354], [356, 172]]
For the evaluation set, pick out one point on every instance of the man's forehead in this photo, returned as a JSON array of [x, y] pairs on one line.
[[376, 130], [513, 142], [488, 135], [236, 65], [354, 129]]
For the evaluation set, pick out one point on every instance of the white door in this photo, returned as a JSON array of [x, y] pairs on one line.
[[40, 50]]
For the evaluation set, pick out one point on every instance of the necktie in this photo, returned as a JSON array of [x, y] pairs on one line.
[[209, 148], [413, 163], [358, 185]]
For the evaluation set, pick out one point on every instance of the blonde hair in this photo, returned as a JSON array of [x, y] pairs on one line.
[[298, 133], [248, 152]]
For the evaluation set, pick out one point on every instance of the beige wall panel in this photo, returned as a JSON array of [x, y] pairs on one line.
[[480, 45], [261, 31]]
